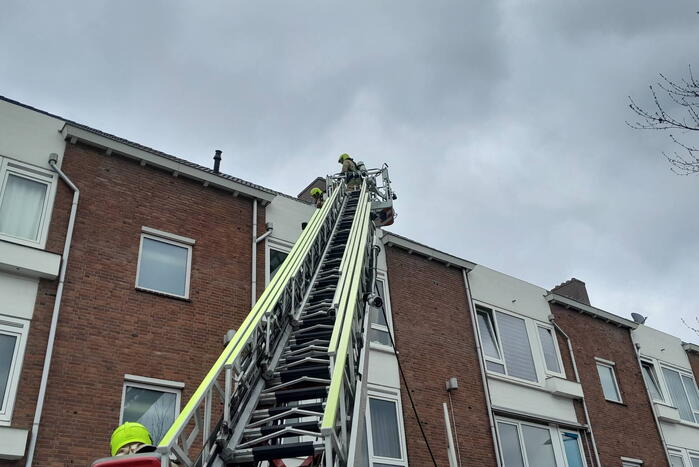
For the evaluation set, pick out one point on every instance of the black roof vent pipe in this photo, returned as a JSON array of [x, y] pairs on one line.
[[217, 161]]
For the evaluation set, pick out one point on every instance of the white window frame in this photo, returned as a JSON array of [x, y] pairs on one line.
[[36, 174], [274, 244], [490, 317], [530, 325], [562, 373], [631, 462], [383, 277], [172, 239], [657, 379], [395, 398], [555, 432], [153, 384], [682, 372], [612, 366], [20, 329]]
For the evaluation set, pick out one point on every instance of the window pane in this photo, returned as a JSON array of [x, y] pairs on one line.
[[606, 377], [509, 443], [384, 428], [679, 397], [651, 381], [572, 449], [154, 409], [378, 314], [695, 461], [676, 461], [515, 347], [549, 348], [537, 443], [276, 259], [485, 327], [7, 352], [496, 367], [691, 392], [380, 337], [22, 207], [163, 267]]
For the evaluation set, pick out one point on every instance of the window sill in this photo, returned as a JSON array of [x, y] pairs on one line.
[[164, 294], [382, 348], [16, 258], [12, 442], [616, 402], [520, 382]]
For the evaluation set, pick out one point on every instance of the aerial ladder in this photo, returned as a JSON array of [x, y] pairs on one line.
[[289, 389]]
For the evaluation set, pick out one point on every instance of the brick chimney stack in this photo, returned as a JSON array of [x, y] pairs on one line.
[[573, 288]]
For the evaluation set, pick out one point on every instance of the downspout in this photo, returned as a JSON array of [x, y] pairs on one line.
[[53, 159], [577, 380], [255, 241], [637, 349], [481, 364], [253, 291]]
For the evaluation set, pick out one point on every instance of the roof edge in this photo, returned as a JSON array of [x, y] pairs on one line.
[[391, 239], [76, 132], [689, 347], [590, 310]]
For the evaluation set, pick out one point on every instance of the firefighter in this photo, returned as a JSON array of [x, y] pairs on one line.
[[317, 195], [351, 172], [131, 438]]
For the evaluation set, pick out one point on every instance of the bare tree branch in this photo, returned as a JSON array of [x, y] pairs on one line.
[[675, 107]]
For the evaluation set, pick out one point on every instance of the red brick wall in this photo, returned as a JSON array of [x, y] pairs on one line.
[[106, 327], [694, 362], [626, 429], [434, 336]]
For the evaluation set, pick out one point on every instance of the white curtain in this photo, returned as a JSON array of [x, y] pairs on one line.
[[515, 346], [22, 206]]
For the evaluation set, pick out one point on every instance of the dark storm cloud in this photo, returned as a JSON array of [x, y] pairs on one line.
[[503, 122]]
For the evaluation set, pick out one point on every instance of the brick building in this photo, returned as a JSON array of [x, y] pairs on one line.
[[165, 256]]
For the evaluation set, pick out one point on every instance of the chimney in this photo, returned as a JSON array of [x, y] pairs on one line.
[[217, 161], [573, 288]]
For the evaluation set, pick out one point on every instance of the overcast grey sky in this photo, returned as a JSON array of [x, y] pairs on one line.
[[503, 121]]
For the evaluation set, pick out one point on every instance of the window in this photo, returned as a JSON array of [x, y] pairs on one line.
[[676, 461], [153, 405], [276, 259], [25, 198], [13, 334], [631, 463], [379, 332], [385, 432], [572, 449], [525, 444], [650, 377], [513, 344], [164, 263], [489, 342], [607, 378], [683, 392], [549, 349]]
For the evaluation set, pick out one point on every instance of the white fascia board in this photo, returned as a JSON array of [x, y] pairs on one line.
[[596, 312], [117, 147], [430, 253], [27, 261], [689, 347], [13, 441]]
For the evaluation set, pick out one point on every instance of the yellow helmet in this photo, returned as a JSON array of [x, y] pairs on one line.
[[129, 432], [343, 157], [316, 192]]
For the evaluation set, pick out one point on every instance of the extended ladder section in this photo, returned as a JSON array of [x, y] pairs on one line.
[[288, 389]]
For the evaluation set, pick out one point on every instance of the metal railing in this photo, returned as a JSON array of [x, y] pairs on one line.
[[192, 438]]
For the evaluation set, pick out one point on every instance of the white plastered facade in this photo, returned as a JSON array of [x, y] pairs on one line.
[[666, 351], [27, 137]]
